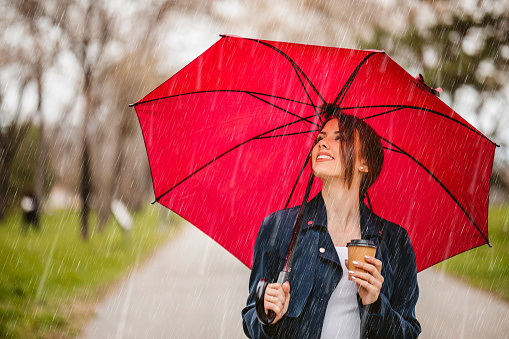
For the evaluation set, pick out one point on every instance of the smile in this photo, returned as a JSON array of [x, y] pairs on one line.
[[323, 156]]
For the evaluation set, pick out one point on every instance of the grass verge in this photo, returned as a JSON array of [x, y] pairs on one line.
[[484, 267], [51, 280]]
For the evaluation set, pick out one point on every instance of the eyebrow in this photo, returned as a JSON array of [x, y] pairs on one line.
[[336, 132]]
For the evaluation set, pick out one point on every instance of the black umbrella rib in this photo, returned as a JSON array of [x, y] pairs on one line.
[[297, 71], [383, 113], [401, 151], [351, 78], [288, 134], [298, 178], [399, 107], [220, 91], [228, 151], [393, 150], [280, 108]]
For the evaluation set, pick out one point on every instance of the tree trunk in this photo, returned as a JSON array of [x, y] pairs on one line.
[[40, 171], [86, 175], [4, 177], [10, 139], [85, 189]]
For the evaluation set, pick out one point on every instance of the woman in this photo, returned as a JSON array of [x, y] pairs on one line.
[[323, 303]]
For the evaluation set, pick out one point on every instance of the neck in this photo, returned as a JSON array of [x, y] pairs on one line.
[[342, 204]]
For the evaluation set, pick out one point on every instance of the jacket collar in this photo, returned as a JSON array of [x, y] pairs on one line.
[[315, 215]]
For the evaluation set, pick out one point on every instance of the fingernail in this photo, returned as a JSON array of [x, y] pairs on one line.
[[355, 262], [367, 257], [351, 272], [354, 278]]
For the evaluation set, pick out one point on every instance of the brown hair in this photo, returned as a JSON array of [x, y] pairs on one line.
[[371, 146]]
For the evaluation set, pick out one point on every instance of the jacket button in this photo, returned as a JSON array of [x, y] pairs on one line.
[[322, 250]]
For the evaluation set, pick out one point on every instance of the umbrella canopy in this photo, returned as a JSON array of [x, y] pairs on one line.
[[228, 136]]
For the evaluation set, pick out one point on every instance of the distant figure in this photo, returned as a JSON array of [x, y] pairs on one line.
[[30, 207]]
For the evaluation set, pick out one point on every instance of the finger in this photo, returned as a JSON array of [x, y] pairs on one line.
[[366, 284], [274, 290], [274, 300], [368, 278], [377, 272], [273, 307], [274, 286], [278, 297], [374, 261], [366, 267], [286, 287]]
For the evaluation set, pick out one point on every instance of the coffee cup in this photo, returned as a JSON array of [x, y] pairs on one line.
[[357, 250]]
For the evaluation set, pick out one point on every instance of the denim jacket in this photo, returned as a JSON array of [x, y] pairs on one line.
[[314, 275]]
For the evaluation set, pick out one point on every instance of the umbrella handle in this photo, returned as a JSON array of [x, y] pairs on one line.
[[263, 317]]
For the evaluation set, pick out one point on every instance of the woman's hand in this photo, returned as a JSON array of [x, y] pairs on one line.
[[276, 299], [370, 283]]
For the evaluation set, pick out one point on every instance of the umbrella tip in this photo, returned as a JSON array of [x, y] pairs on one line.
[[489, 244]]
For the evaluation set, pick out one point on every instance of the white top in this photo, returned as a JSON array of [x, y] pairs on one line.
[[342, 318]]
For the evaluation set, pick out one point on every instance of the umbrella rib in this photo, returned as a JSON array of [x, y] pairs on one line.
[[297, 71], [284, 110], [350, 80], [441, 184], [288, 134], [418, 108], [228, 151], [393, 150], [298, 177], [219, 90]]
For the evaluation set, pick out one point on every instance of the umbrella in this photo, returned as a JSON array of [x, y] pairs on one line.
[[228, 136]]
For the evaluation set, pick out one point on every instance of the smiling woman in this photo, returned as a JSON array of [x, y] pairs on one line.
[[378, 301], [353, 144]]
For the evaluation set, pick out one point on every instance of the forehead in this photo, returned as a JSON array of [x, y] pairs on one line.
[[330, 126]]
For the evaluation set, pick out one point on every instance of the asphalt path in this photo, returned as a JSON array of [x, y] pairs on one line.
[[193, 288]]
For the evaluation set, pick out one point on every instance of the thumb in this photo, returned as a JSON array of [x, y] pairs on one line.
[[286, 288]]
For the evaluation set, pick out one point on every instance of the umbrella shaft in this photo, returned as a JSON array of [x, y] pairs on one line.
[[283, 277]]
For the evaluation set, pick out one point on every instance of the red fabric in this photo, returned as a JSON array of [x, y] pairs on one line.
[[248, 88]]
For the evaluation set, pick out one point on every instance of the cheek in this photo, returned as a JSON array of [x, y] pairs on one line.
[[314, 152]]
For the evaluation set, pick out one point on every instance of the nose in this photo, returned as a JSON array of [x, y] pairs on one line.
[[323, 143]]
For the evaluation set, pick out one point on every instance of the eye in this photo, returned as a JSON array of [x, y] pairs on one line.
[[341, 137]]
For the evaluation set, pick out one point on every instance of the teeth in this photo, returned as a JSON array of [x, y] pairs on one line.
[[324, 157]]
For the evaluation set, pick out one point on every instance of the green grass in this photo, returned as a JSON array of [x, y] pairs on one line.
[[51, 280], [484, 267]]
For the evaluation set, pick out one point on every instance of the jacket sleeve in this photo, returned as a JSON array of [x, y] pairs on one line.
[[395, 318], [266, 263]]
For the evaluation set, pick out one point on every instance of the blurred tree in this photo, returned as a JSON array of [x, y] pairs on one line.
[[91, 32], [38, 58], [29, 59], [11, 136], [458, 51]]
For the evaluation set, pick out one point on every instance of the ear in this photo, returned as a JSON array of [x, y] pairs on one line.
[[363, 166]]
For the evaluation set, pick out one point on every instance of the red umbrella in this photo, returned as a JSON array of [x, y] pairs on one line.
[[227, 139]]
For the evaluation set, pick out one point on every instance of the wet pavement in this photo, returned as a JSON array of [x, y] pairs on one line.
[[193, 288]]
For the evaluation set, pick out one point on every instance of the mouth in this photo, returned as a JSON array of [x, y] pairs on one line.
[[324, 157]]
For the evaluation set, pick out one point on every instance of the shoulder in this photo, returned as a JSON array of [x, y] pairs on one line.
[[279, 223], [395, 237], [277, 228]]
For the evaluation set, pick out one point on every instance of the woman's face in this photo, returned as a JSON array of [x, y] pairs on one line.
[[326, 159]]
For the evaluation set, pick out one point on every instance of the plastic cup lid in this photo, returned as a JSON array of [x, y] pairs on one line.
[[361, 242]]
